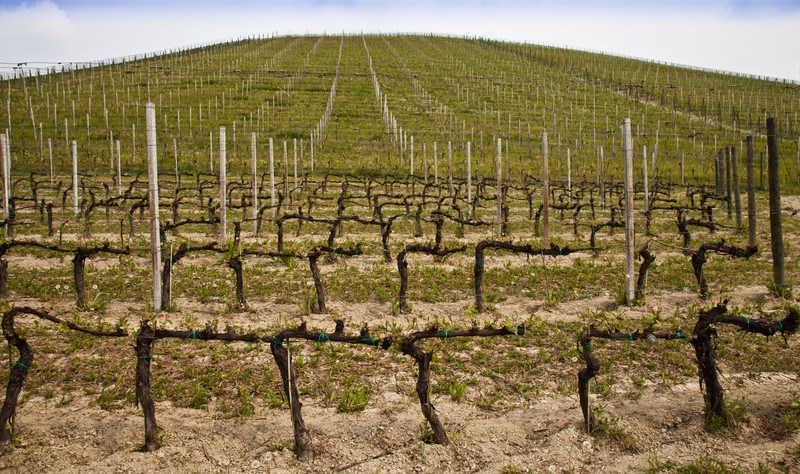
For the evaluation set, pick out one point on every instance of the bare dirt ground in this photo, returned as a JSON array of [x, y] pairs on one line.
[[545, 435], [663, 425]]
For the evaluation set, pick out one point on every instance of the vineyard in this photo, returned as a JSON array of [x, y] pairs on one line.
[[396, 253]]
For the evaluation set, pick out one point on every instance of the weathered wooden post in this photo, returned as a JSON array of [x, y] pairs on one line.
[[223, 189], [50, 151], [119, 168], [285, 171], [450, 166], [751, 193], [499, 187], [254, 170], [313, 156], [737, 198], [728, 188], [152, 188], [4, 153], [272, 175], [411, 154], [627, 145], [469, 176], [569, 176], [435, 165], [545, 192], [644, 179], [776, 232], [75, 209]]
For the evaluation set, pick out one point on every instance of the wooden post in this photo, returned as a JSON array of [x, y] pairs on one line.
[[545, 192], [285, 171], [119, 168], [751, 193], [223, 188], [312, 152], [776, 232], [644, 179], [435, 165], [411, 154], [450, 166], [4, 153], [737, 198], [728, 190], [50, 149], [211, 152], [294, 166], [718, 174], [152, 188], [254, 169], [425, 160], [627, 145], [74, 177], [469, 176], [601, 174], [569, 176], [272, 175], [499, 186], [175, 155]]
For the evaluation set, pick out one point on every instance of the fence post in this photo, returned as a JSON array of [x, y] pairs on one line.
[[74, 177], [776, 232], [254, 169], [152, 186], [751, 193], [627, 145], [223, 191], [545, 192]]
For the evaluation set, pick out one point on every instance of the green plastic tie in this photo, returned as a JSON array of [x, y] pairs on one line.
[[748, 324], [370, 340], [19, 363], [322, 338], [192, 334], [446, 332], [587, 346], [679, 335], [333, 251], [277, 342], [780, 326], [630, 336], [146, 357]]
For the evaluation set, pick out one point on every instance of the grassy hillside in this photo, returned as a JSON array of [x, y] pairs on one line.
[[435, 89]]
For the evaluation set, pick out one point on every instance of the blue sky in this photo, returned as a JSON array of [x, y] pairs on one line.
[[756, 37]]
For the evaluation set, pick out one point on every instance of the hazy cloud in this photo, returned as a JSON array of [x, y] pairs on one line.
[[737, 35]]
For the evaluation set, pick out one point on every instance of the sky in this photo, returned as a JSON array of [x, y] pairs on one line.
[[757, 37]]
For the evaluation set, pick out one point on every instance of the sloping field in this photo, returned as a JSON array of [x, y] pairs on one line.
[[368, 215]]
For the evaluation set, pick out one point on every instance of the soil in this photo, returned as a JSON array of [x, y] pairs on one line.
[[662, 424]]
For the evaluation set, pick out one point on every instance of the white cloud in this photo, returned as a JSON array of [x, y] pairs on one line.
[[38, 31], [707, 35]]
